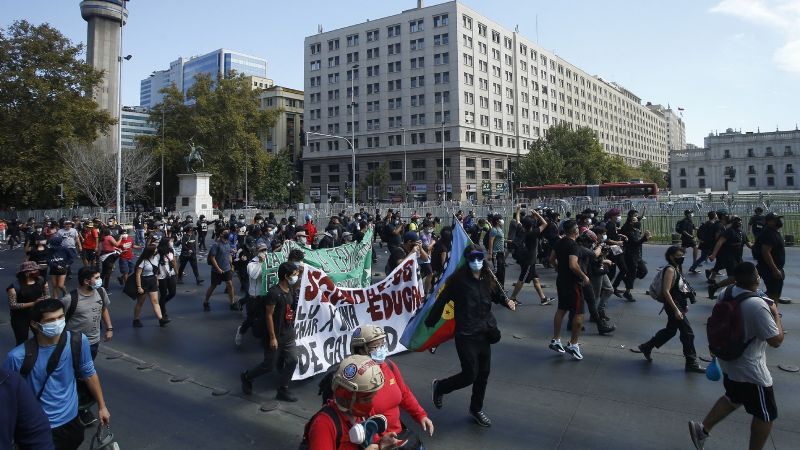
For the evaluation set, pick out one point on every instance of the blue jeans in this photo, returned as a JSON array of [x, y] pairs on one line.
[[139, 237], [703, 258]]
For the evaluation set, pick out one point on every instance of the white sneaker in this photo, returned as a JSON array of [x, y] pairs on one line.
[[698, 434], [575, 351], [238, 338], [555, 345]]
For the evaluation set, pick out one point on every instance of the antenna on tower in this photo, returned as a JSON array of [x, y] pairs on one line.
[[516, 29], [319, 29], [537, 29]]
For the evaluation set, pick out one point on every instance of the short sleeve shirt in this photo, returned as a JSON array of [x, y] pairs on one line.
[[499, 243], [221, 252], [284, 329], [759, 325], [774, 240], [88, 313], [565, 248]]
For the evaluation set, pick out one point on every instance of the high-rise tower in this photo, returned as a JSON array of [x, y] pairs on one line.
[[104, 31]]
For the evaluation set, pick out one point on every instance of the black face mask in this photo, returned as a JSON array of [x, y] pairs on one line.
[[679, 261], [225, 236], [736, 225], [778, 224]]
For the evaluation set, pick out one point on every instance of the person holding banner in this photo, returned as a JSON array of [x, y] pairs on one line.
[[472, 291], [280, 350], [370, 340]]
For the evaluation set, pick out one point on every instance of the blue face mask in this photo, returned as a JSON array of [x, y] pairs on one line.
[[97, 284], [53, 329], [379, 354], [476, 265]]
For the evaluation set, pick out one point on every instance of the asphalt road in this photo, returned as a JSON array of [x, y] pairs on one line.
[[178, 387]]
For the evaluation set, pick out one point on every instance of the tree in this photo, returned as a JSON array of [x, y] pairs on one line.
[[377, 181], [542, 165], [272, 187], [45, 102], [652, 174], [224, 118], [94, 172]]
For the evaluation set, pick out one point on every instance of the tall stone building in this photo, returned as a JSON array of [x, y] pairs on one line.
[[445, 78]]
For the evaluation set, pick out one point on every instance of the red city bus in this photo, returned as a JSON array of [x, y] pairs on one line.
[[606, 190]]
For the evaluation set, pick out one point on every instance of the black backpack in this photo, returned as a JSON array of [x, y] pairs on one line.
[[334, 418], [32, 354]]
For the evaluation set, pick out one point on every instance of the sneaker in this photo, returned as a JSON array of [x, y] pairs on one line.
[[698, 434], [575, 351], [708, 274], [693, 367], [247, 384], [237, 340], [137, 323], [481, 418], [206, 307], [628, 297], [436, 396], [86, 417], [646, 352], [199, 282], [163, 322], [285, 395], [555, 345], [694, 271], [712, 288], [546, 301], [605, 328]]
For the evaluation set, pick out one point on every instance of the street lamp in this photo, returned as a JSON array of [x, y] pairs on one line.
[[119, 111], [354, 68], [405, 179], [444, 181], [291, 186]]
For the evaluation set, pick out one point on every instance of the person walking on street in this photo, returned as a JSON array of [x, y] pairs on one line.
[[219, 258], [570, 280], [167, 267], [280, 350], [472, 289], [770, 253], [674, 295], [705, 238], [189, 254], [28, 289], [145, 271], [747, 379], [496, 249], [686, 229]]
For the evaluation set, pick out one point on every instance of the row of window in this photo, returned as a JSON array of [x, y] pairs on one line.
[[751, 153], [751, 182], [352, 40], [751, 170]]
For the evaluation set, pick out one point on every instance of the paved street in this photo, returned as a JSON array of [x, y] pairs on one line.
[[163, 386]]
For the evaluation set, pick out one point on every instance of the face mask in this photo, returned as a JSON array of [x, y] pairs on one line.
[[679, 261], [476, 265], [293, 280], [691, 215], [591, 216], [589, 221], [38, 230], [225, 236], [501, 223], [98, 283], [605, 237], [379, 354], [619, 219], [53, 329]]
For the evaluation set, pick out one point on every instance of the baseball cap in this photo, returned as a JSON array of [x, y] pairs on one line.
[[410, 236], [262, 246]]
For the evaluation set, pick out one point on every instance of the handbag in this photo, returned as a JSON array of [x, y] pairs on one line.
[[103, 439], [130, 288]]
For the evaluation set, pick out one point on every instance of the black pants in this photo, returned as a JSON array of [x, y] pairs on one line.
[[627, 272], [68, 436], [500, 268], [201, 240], [107, 268], [21, 325], [284, 358], [675, 326], [192, 262], [591, 305], [166, 290], [475, 355]]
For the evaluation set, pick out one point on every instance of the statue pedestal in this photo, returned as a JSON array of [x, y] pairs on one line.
[[193, 194]]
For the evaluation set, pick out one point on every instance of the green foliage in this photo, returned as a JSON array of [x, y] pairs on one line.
[[650, 173], [576, 157], [379, 179], [272, 185], [45, 102], [224, 118]]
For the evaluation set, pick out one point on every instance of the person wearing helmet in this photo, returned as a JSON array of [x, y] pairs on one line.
[[472, 290], [729, 248], [355, 384], [370, 340]]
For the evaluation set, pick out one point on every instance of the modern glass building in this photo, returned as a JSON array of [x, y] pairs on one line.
[[182, 72], [135, 122]]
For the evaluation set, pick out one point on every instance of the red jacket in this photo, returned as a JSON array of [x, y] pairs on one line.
[[311, 230], [394, 395], [322, 431]]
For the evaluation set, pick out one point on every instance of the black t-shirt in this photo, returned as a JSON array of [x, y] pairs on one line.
[[39, 256], [436, 256], [395, 257], [532, 244], [773, 239], [734, 243], [719, 230], [565, 248], [28, 293], [284, 329]]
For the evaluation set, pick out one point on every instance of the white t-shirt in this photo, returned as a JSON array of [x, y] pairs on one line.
[[751, 367], [149, 266]]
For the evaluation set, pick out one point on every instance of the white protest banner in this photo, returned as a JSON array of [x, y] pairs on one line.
[[327, 314]]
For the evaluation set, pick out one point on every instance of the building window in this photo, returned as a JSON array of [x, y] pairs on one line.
[[770, 181], [701, 172], [467, 22], [726, 155], [789, 181], [751, 170], [768, 152], [393, 30], [352, 40], [789, 168], [440, 21], [416, 25], [682, 172], [701, 182], [470, 174], [372, 35], [751, 153], [770, 169], [787, 151], [683, 184], [751, 182]]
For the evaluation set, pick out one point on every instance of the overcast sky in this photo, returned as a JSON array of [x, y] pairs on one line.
[[728, 63]]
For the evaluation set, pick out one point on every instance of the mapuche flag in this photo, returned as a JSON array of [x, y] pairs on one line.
[[417, 336]]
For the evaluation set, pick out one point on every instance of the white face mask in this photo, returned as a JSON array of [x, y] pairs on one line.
[[501, 222], [293, 279], [605, 237]]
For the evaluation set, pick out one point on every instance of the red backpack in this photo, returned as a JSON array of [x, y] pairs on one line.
[[725, 327]]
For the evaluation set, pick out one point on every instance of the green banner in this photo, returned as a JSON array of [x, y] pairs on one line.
[[348, 265]]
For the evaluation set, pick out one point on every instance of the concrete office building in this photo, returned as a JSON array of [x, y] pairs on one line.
[[738, 162], [135, 123], [104, 30], [447, 74], [289, 123], [182, 72], [676, 129]]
